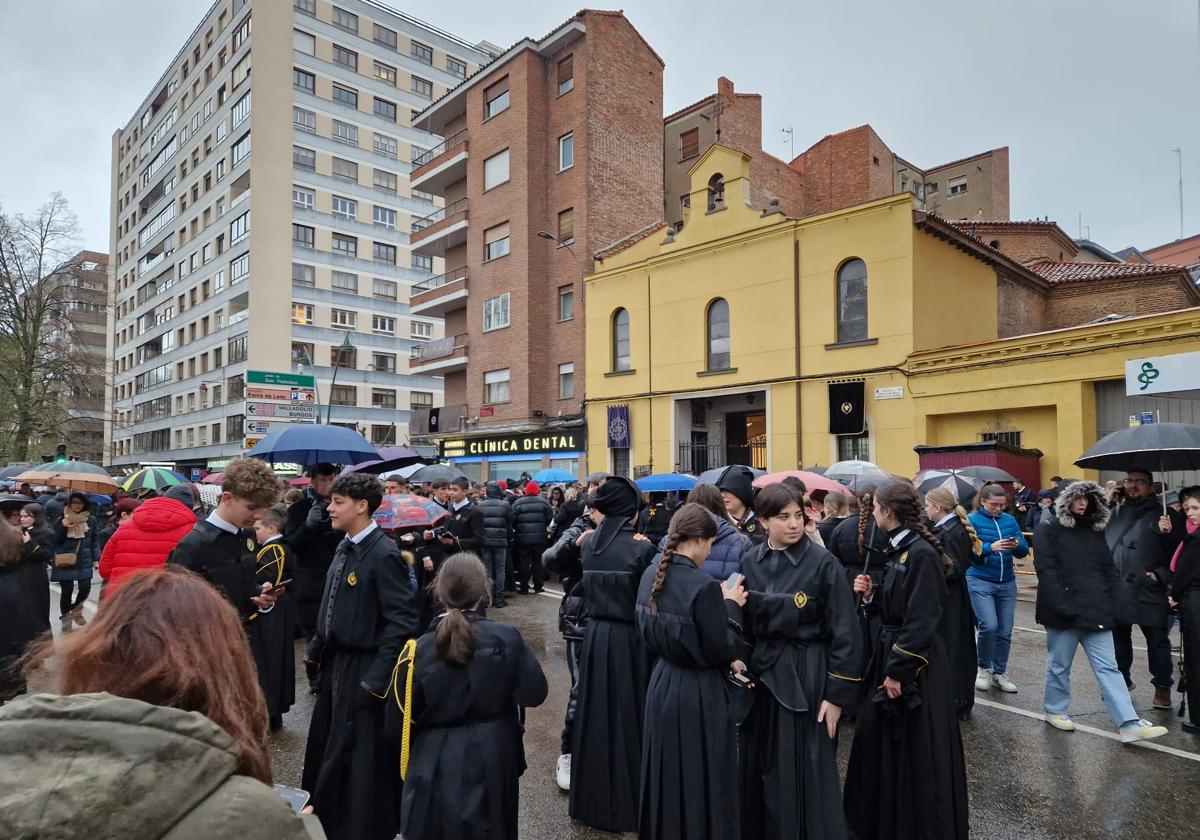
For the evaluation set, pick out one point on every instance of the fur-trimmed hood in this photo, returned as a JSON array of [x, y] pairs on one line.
[[1079, 490]]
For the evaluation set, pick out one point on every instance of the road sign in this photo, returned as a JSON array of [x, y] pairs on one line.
[[279, 379], [302, 412], [264, 427], [195, 473], [249, 441], [303, 395]]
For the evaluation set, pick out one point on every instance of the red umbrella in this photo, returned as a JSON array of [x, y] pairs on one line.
[[811, 480], [302, 481], [213, 478], [402, 510]]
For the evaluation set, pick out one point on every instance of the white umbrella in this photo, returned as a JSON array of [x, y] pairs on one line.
[[855, 473]]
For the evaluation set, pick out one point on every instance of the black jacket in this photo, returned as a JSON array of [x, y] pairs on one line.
[[497, 518], [226, 560], [1138, 548], [466, 527], [1076, 577], [844, 546], [531, 518], [568, 512]]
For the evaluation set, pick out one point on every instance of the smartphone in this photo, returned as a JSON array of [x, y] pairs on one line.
[[732, 581], [295, 797], [744, 680]]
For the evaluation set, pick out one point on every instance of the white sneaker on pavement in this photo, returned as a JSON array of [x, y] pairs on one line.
[[562, 772], [983, 680], [1141, 730], [1002, 682], [1061, 722]]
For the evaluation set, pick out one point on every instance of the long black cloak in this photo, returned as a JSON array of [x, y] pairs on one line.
[[958, 620]]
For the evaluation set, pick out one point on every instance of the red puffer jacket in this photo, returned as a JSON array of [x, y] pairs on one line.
[[145, 540]]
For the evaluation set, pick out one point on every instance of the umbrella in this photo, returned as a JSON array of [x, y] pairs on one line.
[[403, 472], [714, 475], [10, 500], [988, 474], [856, 473], [553, 475], [435, 472], [308, 444], [302, 481], [811, 480], [210, 494], [153, 478], [817, 470], [213, 478], [13, 470], [74, 475], [962, 487], [393, 457], [402, 510], [665, 482], [1165, 446]]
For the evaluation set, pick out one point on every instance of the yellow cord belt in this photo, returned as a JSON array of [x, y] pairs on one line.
[[274, 555], [408, 657]]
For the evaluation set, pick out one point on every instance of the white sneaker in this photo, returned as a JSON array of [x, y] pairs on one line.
[[1061, 722], [983, 680], [1002, 682], [562, 773], [1141, 730]]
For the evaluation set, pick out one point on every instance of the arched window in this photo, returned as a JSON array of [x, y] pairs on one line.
[[852, 301], [620, 341], [716, 192], [717, 331]]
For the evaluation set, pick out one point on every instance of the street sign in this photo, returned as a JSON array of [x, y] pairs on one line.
[[293, 395], [303, 412], [249, 442], [195, 473], [279, 379], [264, 427]]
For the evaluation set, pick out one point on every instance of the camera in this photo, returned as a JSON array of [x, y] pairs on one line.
[[442, 533]]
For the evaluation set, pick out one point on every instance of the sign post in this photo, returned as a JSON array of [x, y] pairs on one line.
[[275, 400]]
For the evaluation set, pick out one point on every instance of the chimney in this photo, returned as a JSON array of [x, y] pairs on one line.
[[724, 87]]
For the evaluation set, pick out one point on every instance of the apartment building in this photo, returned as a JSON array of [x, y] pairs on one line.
[[81, 289], [261, 214], [552, 152]]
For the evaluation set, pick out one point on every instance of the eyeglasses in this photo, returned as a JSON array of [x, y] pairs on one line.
[[1137, 482]]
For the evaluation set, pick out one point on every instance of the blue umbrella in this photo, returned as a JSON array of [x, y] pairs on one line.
[[665, 482], [553, 475], [313, 443]]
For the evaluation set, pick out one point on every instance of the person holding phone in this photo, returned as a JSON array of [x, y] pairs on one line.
[[276, 631], [804, 644], [992, 584], [691, 623]]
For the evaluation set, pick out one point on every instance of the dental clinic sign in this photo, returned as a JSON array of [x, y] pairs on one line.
[[1164, 376]]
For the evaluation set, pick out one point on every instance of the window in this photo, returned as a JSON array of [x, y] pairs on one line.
[[239, 228], [303, 235], [566, 381], [566, 226], [302, 198], [957, 186], [384, 180], [347, 169], [420, 399], [382, 325], [385, 218], [239, 269], [241, 149], [240, 36], [304, 275], [344, 281], [304, 120], [304, 158], [343, 395], [381, 252], [566, 151], [689, 143], [344, 208], [1012, 439], [304, 81], [852, 301], [931, 187], [495, 312], [383, 398], [456, 68], [385, 36], [340, 358], [566, 303], [422, 87], [385, 110], [421, 53], [620, 461], [344, 19], [346, 95], [716, 192], [302, 313], [495, 386], [620, 341], [566, 75], [495, 99], [383, 435], [345, 57], [344, 318], [386, 289], [241, 110], [237, 349], [495, 170], [345, 245], [420, 262], [385, 145], [717, 331], [420, 331], [384, 362], [386, 72], [345, 132], [854, 447], [495, 242], [307, 7]]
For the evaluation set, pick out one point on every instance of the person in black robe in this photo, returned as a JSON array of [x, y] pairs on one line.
[[858, 544], [1185, 596], [804, 650], [311, 541], [24, 599], [689, 749], [962, 547], [614, 668], [907, 777], [275, 632], [368, 611], [736, 484], [471, 678]]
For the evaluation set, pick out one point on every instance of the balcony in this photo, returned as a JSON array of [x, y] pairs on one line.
[[440, 357], [441, 166], [441, 294], [442, 229]]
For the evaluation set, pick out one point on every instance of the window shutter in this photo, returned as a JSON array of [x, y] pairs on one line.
[[565, 69], [495, 234], [566, 224]]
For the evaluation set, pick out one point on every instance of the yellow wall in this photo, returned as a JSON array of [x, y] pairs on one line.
[[957, 295]]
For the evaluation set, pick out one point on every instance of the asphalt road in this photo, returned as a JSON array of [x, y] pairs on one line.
[[1026, 780]]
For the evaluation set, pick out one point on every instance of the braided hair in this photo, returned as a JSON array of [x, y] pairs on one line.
[[866, 511], [690, 522], [944, 499], [900, 497]]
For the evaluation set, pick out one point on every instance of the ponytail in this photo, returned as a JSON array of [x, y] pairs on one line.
[[455, 638], [461, 584], [866, 509], [690, 522], [660, 577], [976, 543]]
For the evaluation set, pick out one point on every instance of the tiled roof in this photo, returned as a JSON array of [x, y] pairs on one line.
[[630, 240], [1076, 272], [965, 225]]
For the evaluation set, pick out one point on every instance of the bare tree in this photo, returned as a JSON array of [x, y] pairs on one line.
[[40, 365]]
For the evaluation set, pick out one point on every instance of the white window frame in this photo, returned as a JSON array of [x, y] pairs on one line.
[[496, 386], [343, 208], [564, 370], [496, 312], [495, 170], [303, 198], [305, 312], [384, 217], [383, 325], [346, 319], [420, 331], [566, 151]]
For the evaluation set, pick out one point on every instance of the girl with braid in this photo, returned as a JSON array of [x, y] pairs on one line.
[[858, 544], [907, 777], [691, 623], [961, 547], [805, 649]]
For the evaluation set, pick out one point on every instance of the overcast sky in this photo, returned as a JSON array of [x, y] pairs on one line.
[[1091, 95]]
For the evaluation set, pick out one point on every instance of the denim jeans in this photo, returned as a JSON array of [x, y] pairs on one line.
[[1098, 646], [1158, 651], [995, 606], [494, 559]]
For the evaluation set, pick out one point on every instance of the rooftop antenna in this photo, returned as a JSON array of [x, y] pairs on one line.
[[791, 140], [1179, 155]]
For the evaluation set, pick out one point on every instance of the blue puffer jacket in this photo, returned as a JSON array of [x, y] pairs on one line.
[[726, 555], [996, 566]]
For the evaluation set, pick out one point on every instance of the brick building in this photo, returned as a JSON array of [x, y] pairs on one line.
[[551, 153], [82, 290]]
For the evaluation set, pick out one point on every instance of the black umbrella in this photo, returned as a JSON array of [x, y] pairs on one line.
[[1161, 446], [714, 475], [962, 486], [988, 474], [435, 472]]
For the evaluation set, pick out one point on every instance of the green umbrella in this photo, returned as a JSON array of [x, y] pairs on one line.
[[152, 478]]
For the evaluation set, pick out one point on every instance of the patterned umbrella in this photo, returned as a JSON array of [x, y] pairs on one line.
[[963, 487], [153, 478], [402, 510]]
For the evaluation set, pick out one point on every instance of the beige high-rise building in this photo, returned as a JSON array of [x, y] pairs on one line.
[[261, 217]]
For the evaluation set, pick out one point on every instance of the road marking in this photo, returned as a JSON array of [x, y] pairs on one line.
[[1091, 730], [553, 593], [88, 606]]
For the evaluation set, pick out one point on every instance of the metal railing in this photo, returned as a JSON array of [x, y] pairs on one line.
[[437, 281], [695, 458], [438, 215], [440, 349], [453, 141]]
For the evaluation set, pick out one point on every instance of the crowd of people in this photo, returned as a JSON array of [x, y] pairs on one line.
[[715, 642]]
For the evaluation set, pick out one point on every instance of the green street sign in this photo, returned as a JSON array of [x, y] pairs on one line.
[[283, 380]]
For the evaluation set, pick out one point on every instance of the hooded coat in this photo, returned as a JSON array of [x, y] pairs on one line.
[[85, 548], [1138, 548], [727, 550], [156, 527]]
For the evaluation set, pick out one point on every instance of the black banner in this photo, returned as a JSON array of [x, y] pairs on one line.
[[847, 408], [534, 443]]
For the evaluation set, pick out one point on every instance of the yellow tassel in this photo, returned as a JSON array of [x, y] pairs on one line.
[[407, 657], [276, 559]]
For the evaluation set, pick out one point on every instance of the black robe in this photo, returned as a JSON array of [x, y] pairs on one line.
[[907, 777], [844, 546], [806, 647], [466, 755], [614, 670], [958, 620], [275, 631], [351, 766], [689, 748], [25, 605], [1185, 588], [312, 548]]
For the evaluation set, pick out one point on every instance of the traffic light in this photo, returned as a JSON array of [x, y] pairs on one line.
[[60, 454]]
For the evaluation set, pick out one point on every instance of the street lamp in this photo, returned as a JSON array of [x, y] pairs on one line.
[[316, 390], [545, 234], [337, 361]]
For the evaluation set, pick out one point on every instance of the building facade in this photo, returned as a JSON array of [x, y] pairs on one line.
[[261, 219], [552, 151], [82, 294]]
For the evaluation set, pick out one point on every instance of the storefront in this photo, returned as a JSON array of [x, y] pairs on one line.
[[493, 457]]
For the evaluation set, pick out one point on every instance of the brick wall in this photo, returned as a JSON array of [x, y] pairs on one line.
[[1029, 243], [1072, 304], [841, 170], [1020, 309], [1000, 207]]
